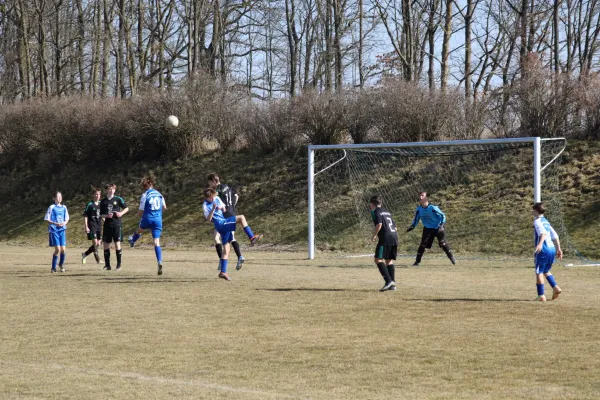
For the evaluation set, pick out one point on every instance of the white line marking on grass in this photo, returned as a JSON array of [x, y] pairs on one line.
[[150, 378]]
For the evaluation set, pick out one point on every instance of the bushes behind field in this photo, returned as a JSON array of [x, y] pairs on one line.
[[45, 134]]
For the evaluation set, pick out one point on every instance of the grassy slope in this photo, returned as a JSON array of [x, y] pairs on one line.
[[273, 197]]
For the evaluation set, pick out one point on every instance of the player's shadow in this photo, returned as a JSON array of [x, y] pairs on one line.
[[312, 290], [458, 300], [141, 280]]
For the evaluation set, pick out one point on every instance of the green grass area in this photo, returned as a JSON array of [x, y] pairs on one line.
[[488, 210], [285, 327]]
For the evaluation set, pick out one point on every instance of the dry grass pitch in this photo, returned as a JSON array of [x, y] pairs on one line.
[[289, 328]]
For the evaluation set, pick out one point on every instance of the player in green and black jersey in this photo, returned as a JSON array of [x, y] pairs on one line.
[[92, 223], [386, 236], [112, 208]]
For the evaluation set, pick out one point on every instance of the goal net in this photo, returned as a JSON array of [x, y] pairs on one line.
[[486, 189]]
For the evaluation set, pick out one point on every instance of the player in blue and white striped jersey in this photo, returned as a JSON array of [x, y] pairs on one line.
[[152, 205], [433, 220], [57, 218], [546, 249]]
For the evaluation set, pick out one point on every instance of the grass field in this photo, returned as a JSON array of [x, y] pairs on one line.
[[285, 327]]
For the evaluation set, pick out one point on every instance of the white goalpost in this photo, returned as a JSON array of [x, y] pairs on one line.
[[466, 175]]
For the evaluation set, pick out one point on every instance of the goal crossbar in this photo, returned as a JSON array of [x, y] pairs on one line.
[[536, 143]]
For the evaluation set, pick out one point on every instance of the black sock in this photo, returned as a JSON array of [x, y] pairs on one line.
[[448, 251], [219, 248], [89, 251], [119, 253], [236, 248], [96, 256], [420, 254], [384, 272], [107, 258], [392, 271]]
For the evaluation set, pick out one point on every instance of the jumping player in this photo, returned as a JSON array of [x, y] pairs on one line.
[[433, 227], [546, 249], [152, 205], [92, 223], [229, 196], [57, 218], [386, 236], [213, 212], [112, 208]]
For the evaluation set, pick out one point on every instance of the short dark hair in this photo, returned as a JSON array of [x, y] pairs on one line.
[[211, 177], [55, 193], [375, 200], [95, 189], [422, 191], [539, 207], [110, 185]]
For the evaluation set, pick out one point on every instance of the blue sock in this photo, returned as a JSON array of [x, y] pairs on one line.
[[249, 232], [223, 266], [551, 280], [135, 237], [62, 259], [540, 289], [158, 252], [54, 261]]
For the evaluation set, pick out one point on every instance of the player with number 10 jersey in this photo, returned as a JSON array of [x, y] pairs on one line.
[[151, 209]]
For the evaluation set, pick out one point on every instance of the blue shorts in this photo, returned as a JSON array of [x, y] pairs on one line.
[[154, 225], [544, 261], [225, 229], [57, 238]]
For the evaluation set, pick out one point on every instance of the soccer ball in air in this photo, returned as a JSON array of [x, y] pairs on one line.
[[172, 121]]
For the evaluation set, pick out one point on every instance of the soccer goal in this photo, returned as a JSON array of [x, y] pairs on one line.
[[485, 187]]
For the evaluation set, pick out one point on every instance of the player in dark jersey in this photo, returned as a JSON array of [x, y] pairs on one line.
[[386, 236], [229, 196], [112, 208], [92, 223]]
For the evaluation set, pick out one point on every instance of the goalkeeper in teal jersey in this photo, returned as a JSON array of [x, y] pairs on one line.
[[433, 220]]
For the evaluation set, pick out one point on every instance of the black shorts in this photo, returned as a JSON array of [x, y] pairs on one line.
[[429, 235], [112, 234], [94, 234], [386, 252]]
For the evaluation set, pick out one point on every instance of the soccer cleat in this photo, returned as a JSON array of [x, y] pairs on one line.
[[118, 267], [416, 264], [393, 288], [541, 298], [240, 261], [453, 261], [52, 270], [255, 239], [83, 257], [107, 267], [388, 286], [223, 275], [131, 242], [159, 268], [556, 292], [62, 269]]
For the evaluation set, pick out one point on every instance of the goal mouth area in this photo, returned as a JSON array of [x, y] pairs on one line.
[[485, 187]]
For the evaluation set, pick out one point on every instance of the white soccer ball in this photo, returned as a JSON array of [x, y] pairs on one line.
[[172, 121]]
